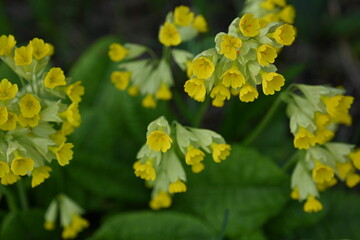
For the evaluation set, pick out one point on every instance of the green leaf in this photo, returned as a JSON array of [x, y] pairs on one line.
[[153, 226]]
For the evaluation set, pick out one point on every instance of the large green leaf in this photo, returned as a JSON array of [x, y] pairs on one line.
[[153, 226]]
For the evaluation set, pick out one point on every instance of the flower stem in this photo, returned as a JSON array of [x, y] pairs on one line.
[[201, 113], [22, 195], [10, 199], [224, 225], [292, 161]]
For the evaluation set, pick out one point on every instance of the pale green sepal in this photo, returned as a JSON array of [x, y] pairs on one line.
[[302, 180], [181, 57], [164, 73], [187, 33], [174, 169], [50, 113], [159, 124], [134, 50]]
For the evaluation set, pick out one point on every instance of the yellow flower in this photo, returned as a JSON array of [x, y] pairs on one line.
[[10, 124], [149, 101], [134, 91], [352, 180], [39, 174], [7, 90], [229, 46], [7, 43], [4, 169], [49, 225], [304, 139], [323, 135], [29, 105], [120, 79], [249, 26], [169, 35], [164, 93], [40, 48], [63, 153], [326, 185], [21, 165], [355, 158], [312, 205], [344, 169], [287, 14], [272, 82], [9, 178], [295, 194], [189, 69], [285, 34], [198, 167], [117, 52], [203, 67], [159, 141], [195, 87], [67, 128], [322, 120], [29, 122], [145, 170], [220, 151], [77, 225], [338, 105], [268, 5], [177, 187], [161, 200], [266, 54], [54, 78], [75, 91], [248, 93], [183, 16], [3, 115], [220, 93], [23, 55], [72, 114], [194, 155], [200, 24], [58, 137], [233, 77], [322, 173]]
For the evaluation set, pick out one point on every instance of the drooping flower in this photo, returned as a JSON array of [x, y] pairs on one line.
[[117, 52], [161, 200], [39, 174], [169, 35], [312, 205], [272, 82], [177, 187], [220, 151], [248, 93], [229, 46], [249, 25], [203, 67], [63, 153], [233, 77], [195, 87], [21, 165], [145, 170], [183, 16], [120, 79], [54, 78], [23, 55], [285, 34], [266, 54], [7, 90], [159, 141]]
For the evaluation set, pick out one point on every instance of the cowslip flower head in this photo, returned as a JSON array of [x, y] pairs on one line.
[[159, 141], [266, 54], [220, 151], [39, 174], [21, 165], [145, 170], [75, 91], [63, 153], [322, 173], [304, 139], [248, 93]]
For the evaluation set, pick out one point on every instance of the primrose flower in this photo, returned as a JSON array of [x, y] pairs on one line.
[[63, 153], [177, 187], [149, 101], [230, 46], [312, 205], [117, 52], [272, 82], [200, 24], [248, 93], [161, 200], [322, 173], [10, 123], [183, 16], [29, 106], [220, 151], [40, 48], [169, 35], [120, 79], [7, 89], [285, 34], [233, 77], [54, 78], [21, 165], [266, 54], [145, 170], [195, 87], [159, 141], [39, 174], [7, 43], [249, 26], [203, 67], [23, 55]]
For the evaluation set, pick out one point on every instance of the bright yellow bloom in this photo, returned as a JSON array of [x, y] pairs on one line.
[[134, 91], [248, 93], [67, 128], [266, 54], [39, 175], [268, 5], [169, 35], [272, 82], [344, 169], [7, 90], [117, 52], [29, 105], [326, 185], [220, 151], [220, 93], [164, 93], [58, 137], [183, 16], [23, 55], [161, 200], [9, 178], [198, 167], [158, 141], [295, 194], [203, 67], [233, 77], [29, 122], [229, 46], [63, 153], [287, 14], [322, 173], [195, 87], [338, 105], [304, 139], [145, 170], [200, 24], [120, 79], [49, 225], [7, 43], [249, 25], [285, 34], [323, 135], [10, 124], [322, 120], [40, 48], [21, 165], [355, 158], [149, 101], [312, 205], [54, 78], [194, 155], [3, 115], [75, 91], [189, 69], [4, 169], [77, 225], [72, 114], [352, 180], [177, 187]]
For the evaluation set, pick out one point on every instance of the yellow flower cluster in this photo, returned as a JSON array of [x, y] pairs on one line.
[[242, 59], [152, 77], [159, 162], [35, 117]]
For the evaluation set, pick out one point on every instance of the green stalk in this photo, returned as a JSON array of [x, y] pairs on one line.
[[201, 113], [22, 195], [10, 199]]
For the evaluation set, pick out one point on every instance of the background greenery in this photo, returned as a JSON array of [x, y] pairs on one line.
[[245, 197]]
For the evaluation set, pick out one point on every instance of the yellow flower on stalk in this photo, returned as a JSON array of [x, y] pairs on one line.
[[23, 55], [145, 170], [266, 54], [355, 158], [7, 90], [195, 88], [248, 93], [272, 82], [158, 141], [183, 16], [287, 14], [304, 139], [326, 185], [352, 180], [161, 200], [72, 114], [177, 187], [134, 91], [54, 78], [120, 79], [285, 34], [10, 124], [312, 205], [220, 151], [29, 105], [9, 178], [249, 25], [220, 93], [58, 137], [322, 173], [63, 153], [117, 52], [3, 115], [203, 67], [169, 35], [344, 169], [338, 105], [21, 165], [29, 122], [323, 135], [193, 155], [7, 43], [229, 46], [200, 24], [322, 120], [164, 93], [4, 169], [198, 167], [149, 101], [75, 91], [40, 48], [67, 128], [39, 174], [77, 225], [233, 77], [295, 194]]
